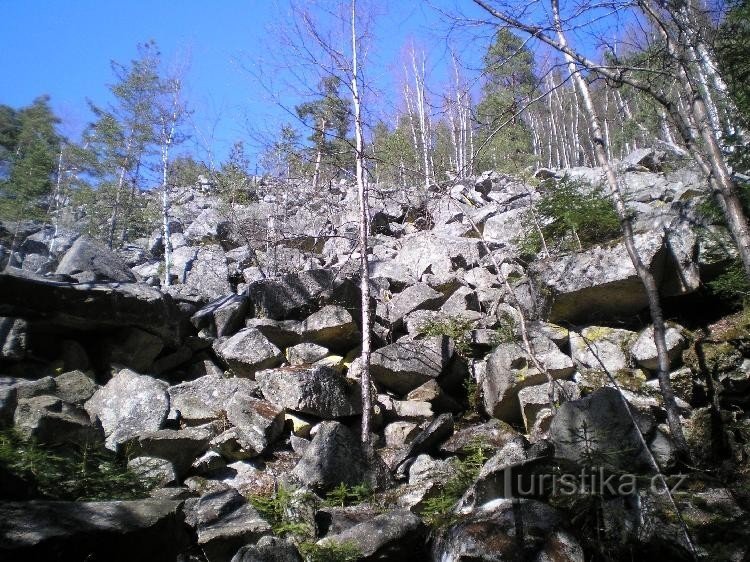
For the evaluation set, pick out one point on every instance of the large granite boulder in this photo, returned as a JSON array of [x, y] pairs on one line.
[[644, 348], [247, 352], [90, 261], [332, 326], [318, 390], [223, 316], [202, 400], [117, 531], [49, 420], [406, 364], [129, 404], [602, 348]]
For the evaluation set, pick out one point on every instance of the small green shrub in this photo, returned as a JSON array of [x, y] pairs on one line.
[[437, 510], [506, 330], [276, 509], [344, 495], [346, 551], [571, 216], [455, 327], [73, 473], [732, 285]]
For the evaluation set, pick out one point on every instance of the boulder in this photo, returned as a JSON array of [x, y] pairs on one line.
[[428, 440], [268, 549], [395, 535], [117, 531], [406, 364], [202, 400], [419, 296], [534, 399], [507, 530], [317, 390], [209, 226], [133, 348], [644, 348], [8, 401], [493, 435], [598, 431], [49, 420], [332, 326], [13, 335], [600, 282], [247, 352], [335, 456], [90, 261], [208, 274], [222, 317], [281, 333], [129, 404], [510, 369], [153, 471], [400, 433], [75, 387], [260, 421], [89, 307], [305, 353], [224, 522], [439, 254], [600, 348], [295, 295], [179, 447]]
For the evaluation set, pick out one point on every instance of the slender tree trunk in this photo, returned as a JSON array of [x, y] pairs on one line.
[[364, 215]]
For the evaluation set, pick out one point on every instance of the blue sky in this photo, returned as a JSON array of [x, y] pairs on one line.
[[64, 49]]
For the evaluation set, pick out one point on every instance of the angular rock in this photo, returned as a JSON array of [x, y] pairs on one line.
[[30, 388], [75, 387], [129, 404], [89, 306], [399, 433], [597, 345], [292, 296], [133, 348], [534, 399], [91, 261], [180, 447], [222, 317], [600, 282], [332, 326], [305, 353], [396, 535], [208, 275], [597, 430], [406, 364], [281, 333], [49, 420], [419, 296], [428, 439], [247, 352], [117, 531], [317, 390], [260, 421], [644, 348], [439, 254], [203, 399], [335, 456], [433, 393], [154, 471], [509, 369], [13, 335], [224, 522], [493, 434], [268, 549], [8, 401]]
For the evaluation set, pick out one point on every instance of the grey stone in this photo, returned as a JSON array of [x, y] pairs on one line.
[[597, 345], [493, 434], [26, 388], [332, 326], [8, 401], [396, 535], [644, 348], [86, 256], [180, 447], [419, 296], [154, 471], [260, 421], [428, 440], [268, 549], [222, 317], [281, 333], [400, 433], [305, 353], [597, 430], [317, 390], [247, 352], [133, 348], [203, 399], [75, 387], [129, 404], [13, 335], [292, 296], [534, 399], [49, 420], [208, 274], [117, 531], [406, 364], [335, 456]]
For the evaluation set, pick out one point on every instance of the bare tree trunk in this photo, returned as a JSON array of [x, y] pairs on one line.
[[364, 214]]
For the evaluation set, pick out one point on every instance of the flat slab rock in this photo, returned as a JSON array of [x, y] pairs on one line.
[[117, 531]]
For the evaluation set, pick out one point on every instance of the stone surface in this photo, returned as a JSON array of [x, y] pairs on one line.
[[644, 348], [395, 535], [133, 348], [493, 434], [600, 348], [534, 399], [292, 296], [404, 365], [75, 387], [204, 398], [268, 549], [13, 336], [318, 390], [49, 420], [87, 256], [117, 531], [179, 447], [222, 317], [597, 430], [335, 456], [305, 353], [260, 421], [129, 404], [332, 326], [247, 352], [419, 296]]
